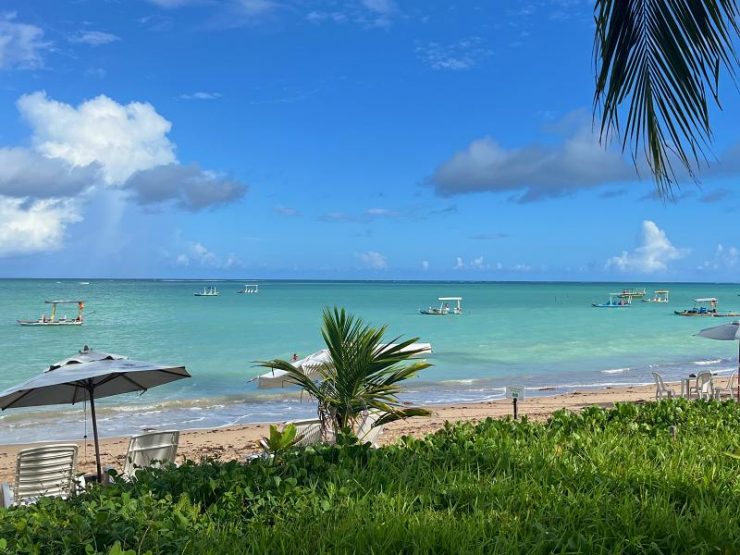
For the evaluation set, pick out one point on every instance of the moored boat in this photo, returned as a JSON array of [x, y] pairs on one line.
[[207, 292], [632, 293], [444, 307], [53, 320], [661, 296], [250, 289], [706, 307], [615, 301]]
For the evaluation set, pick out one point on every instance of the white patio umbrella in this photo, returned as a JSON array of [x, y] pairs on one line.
[[87, 376], [726, 332]]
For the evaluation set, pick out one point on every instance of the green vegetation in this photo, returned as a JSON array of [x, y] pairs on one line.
[[602, 481], [365, 373]]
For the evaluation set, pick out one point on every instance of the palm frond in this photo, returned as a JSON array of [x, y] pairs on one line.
[[660, 57]]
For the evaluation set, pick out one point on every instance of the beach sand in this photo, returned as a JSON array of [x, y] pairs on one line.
[[238, 442]]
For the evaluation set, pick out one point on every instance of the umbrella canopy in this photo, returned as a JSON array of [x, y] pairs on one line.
[[725, 332], [87, 376]]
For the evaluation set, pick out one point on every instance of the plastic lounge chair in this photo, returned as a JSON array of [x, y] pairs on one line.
[[729, 390], [704, 388], [660, 388], [366, 432], [151, 449], [308, 433], [47, 471]]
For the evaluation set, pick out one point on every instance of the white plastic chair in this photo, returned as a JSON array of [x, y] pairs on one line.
[[151, 449], [704, 388], [660, 388], [730, 389], [366, 432], [47, 471]]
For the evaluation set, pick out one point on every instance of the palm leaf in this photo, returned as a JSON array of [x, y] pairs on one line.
[[660, 57]]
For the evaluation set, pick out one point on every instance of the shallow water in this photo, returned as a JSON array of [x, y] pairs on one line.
[[545, 336]]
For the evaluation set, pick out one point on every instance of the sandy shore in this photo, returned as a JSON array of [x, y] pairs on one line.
[[240, 441]]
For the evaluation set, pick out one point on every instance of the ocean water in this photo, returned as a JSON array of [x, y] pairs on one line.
[[545, 336]]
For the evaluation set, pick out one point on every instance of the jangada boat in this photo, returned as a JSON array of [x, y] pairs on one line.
[[207, 292], [250, 289], [444, 307], [661, 296], [632, 293], [52, 320], [706, 307], [615, 301]]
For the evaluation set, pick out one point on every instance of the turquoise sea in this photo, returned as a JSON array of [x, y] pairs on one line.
[[545, 336]]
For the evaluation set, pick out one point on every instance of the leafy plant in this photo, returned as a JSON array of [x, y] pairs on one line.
[[364, 375], [279, 442]]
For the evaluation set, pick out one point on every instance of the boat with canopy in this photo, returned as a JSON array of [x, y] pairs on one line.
[[444, 307], [661, 296], [250, 289], [52, 320], [707, 307], [207, 292], [615, 301]]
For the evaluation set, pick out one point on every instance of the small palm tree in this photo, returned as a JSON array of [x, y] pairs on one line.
[[364, 374]]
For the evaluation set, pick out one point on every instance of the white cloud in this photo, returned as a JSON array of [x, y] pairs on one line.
[[28, 227], [653, 253], [201, 95], [460, 55], [384, 7], [123, 139], [425, 265], [478, 263], [197, 253], [94, 38], [538, 171], [459, 264], [373, 260], [21, 44], [724, 258]]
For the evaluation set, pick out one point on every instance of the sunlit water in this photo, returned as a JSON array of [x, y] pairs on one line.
[[544, 336]]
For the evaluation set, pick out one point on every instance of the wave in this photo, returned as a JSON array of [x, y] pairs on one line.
[[707, 362], [616, 370]]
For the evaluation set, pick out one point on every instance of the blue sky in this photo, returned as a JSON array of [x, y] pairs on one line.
[[360, 139]]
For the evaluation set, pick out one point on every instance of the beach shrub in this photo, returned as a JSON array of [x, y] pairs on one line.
[[599, 481]]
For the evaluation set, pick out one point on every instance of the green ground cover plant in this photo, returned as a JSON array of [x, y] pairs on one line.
[[652, 478]]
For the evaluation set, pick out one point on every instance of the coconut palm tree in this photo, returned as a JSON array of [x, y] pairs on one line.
[[656, 60], [364, 375]]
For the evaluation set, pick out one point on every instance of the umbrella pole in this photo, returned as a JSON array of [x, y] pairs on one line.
[[95, 434]]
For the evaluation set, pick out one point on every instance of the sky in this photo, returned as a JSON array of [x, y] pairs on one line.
[[334, 139]]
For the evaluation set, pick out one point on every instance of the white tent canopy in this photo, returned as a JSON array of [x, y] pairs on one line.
[[311, 365]]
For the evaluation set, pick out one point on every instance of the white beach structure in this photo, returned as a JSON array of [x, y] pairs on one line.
[[312, 364]]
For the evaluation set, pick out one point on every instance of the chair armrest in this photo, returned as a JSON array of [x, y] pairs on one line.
[[6, 495]]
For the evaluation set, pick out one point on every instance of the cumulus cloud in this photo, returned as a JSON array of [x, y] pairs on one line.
[[373, 260], [28, 227], [25, 173], [94, 38], [653, 253], [456, 56], [188, 186], [459, 264], [724, 258], [122, 138], [537, 171], [478, 263], [21, 44], [197, 254]]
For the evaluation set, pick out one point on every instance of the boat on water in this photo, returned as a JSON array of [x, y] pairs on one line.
[[250, 289], [706, 307], [615, 301], [207, 292], [52, 320], [444, 307], [661, 296], [632, 293]]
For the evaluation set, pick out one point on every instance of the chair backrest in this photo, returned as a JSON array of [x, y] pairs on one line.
[[151, 449], [732, 382], [308, 432], [366, 431], [704, 378], [659, 381], [45, 471]]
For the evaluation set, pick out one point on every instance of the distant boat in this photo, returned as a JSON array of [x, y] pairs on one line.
[[250, 289], [52, 320], [207, 292], [661, 296], [84, 283], [615, 301], [706, 307], [444, 307], [632, 293]]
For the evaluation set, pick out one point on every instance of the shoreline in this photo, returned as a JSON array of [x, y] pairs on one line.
[[238, 442]]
